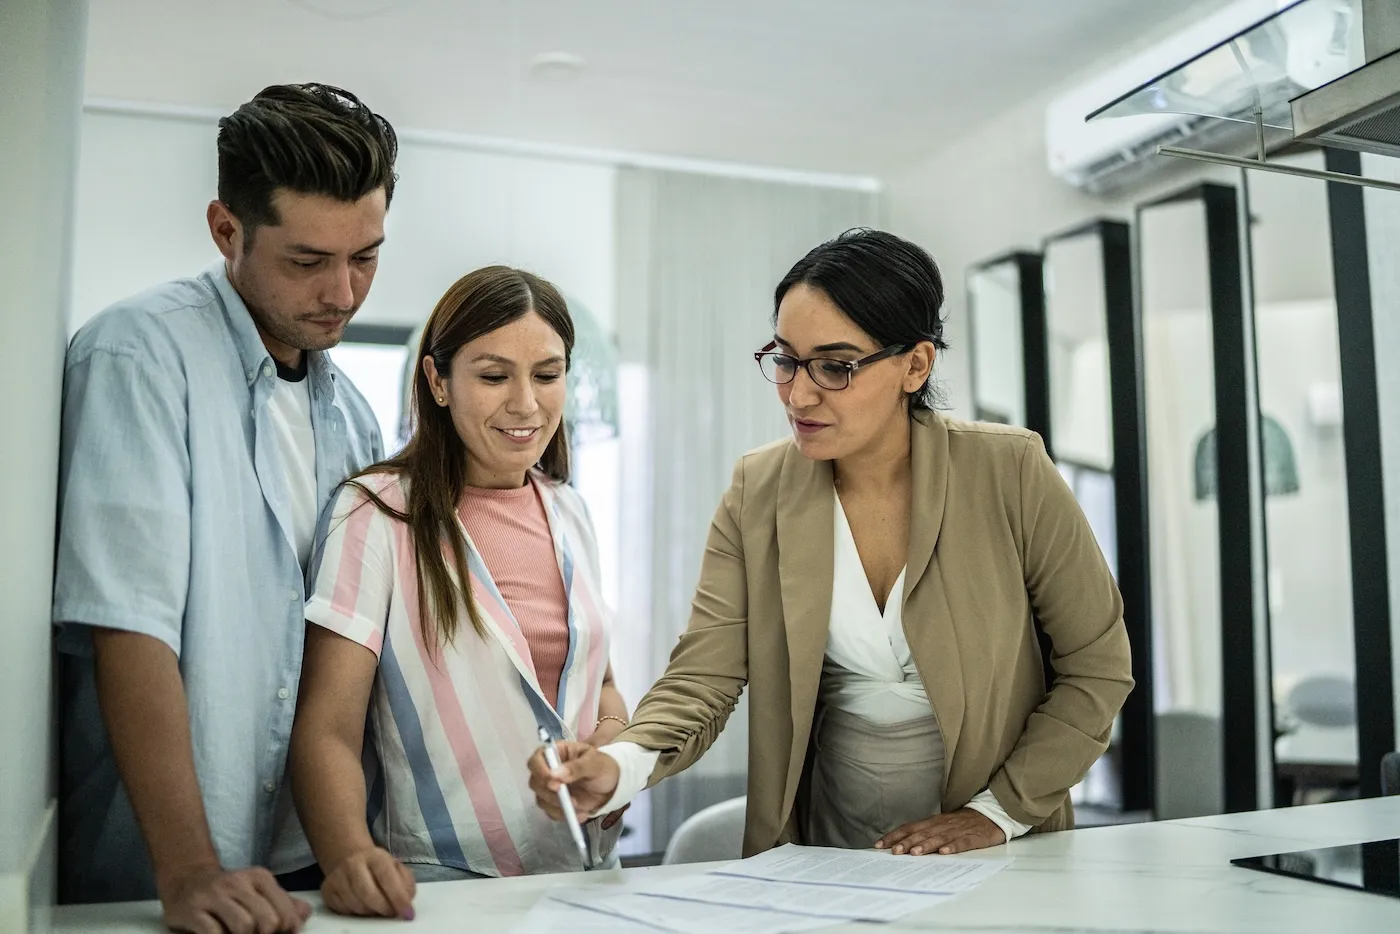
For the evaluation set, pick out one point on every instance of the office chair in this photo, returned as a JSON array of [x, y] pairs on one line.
[[716, 833]]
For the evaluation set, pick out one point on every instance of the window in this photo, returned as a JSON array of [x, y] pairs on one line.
[[374, 357]]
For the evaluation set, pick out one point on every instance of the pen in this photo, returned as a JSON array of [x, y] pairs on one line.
[[551, 758]]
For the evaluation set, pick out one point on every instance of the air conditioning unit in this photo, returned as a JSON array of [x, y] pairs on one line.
[[1108, 155]]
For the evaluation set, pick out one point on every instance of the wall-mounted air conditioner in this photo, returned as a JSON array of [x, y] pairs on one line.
[[1105, 155]]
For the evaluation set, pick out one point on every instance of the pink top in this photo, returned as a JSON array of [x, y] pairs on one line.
[[511, 533]]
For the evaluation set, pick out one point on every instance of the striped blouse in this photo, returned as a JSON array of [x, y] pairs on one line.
[[450, 729]]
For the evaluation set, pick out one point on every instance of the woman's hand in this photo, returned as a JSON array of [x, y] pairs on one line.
[[592, 778], [370, 883], [955, 832]]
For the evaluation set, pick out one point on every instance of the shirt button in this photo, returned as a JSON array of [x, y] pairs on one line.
[[283, 693], [269, 787], [294, 596], [267, 369]]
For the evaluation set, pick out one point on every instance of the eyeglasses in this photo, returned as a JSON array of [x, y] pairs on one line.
[[826, 372]]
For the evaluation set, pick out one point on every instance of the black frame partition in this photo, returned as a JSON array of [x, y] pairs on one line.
[[1030, 269], [1237, 472], [1137, 748], [1035, 364], [1361, 439]]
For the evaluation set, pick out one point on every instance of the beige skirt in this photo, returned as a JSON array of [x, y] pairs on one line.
[[869, 778]]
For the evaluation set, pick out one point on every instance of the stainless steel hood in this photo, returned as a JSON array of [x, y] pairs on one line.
[[1317, 72], [1360, 110]]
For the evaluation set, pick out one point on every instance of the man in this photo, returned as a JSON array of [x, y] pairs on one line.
[[204, 428]]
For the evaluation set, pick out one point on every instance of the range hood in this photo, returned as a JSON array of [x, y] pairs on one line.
[[1317, 72]]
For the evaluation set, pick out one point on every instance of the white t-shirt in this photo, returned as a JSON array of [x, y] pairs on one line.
[[290, 407]]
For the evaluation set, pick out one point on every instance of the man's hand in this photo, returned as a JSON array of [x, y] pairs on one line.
[[592, 778], [370, 883], [955, 832], [248, 901]]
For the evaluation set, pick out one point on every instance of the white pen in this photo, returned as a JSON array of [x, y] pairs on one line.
[[551, 758]]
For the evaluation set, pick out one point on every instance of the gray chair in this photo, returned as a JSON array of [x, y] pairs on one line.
[[1324, 701], [1189, 765], [711, 835], [1390, 773]]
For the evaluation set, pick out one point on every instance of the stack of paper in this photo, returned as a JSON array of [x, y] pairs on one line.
[[792, 888]]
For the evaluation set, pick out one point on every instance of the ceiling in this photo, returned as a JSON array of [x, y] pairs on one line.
[[852, 86]]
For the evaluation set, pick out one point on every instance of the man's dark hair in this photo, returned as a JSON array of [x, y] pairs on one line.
[[312, 139]]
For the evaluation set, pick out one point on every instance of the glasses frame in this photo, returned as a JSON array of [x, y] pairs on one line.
[[850, 366]]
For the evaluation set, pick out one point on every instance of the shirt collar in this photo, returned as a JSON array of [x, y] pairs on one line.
[[252, 352]]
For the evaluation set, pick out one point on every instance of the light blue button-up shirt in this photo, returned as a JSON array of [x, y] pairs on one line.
[[175, 522]]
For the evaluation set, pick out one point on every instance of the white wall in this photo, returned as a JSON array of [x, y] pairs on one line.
[[41, 70], [145, 181]]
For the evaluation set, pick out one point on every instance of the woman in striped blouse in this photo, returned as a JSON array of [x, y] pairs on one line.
[[456, 608]]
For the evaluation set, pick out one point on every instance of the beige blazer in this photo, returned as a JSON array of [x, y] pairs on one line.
[[996, 539]]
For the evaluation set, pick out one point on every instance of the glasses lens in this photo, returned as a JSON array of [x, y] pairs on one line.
[[830, 374], [777, 367]]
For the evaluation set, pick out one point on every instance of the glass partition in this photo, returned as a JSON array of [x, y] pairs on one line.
[[1305, 488], [1095, 390], [996, 313], [1200, 430], [1076, 325]]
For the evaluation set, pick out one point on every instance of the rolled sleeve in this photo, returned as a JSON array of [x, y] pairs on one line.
[[635, 765], [123, 557], [353, 578], [986, 804]]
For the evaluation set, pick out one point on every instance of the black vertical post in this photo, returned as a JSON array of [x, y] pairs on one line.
[[1137, 742], [1361, 438], [1035, 347], [1234, 356]]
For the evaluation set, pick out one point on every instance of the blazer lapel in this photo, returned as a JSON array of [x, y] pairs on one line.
[[806, 561], [928, 621]]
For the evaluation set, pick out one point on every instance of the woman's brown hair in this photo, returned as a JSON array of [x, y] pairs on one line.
[[434, 462]]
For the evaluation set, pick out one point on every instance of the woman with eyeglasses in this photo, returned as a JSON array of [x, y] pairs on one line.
[[874, 581]]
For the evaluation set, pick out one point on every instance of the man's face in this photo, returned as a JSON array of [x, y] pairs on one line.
[[304, 278]]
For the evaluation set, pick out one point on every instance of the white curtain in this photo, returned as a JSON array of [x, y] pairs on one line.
[[698, 259]]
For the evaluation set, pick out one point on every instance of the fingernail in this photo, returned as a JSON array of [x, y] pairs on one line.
[[408, 914], [898, 850], [879, 844], [918, 850]]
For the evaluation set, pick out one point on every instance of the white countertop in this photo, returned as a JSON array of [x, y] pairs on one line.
[[1169, 876]]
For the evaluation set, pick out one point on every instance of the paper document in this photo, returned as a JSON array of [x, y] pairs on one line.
[[681, 917], [796, 897], [866, 869], [555, 917]]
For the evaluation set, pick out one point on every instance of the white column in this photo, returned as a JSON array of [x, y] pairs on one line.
[[42, 49]]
